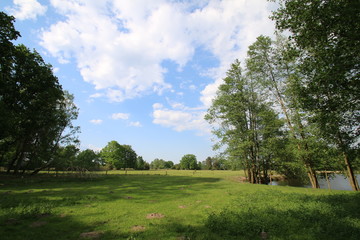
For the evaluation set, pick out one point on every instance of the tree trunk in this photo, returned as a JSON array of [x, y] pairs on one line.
[[352, 178], [309, 169]]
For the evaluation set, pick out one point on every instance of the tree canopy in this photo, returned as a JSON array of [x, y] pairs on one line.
[[327, 34], [35, 110]]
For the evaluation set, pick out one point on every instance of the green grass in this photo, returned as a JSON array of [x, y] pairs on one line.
[[195, 205]]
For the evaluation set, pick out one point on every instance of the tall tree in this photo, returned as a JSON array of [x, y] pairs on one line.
[[328, 36], [243, 120], [35, 111], [273, 65]]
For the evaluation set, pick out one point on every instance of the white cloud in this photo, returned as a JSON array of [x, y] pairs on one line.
[[92, 147], [135, 124], [123, 116], [96, 121], [180, 120], [96, 95], [27, 9], [124, 59]]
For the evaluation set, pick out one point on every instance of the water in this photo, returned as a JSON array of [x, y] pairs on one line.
[[337, 182]]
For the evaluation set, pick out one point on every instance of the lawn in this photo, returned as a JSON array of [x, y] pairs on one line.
[[171, 205]]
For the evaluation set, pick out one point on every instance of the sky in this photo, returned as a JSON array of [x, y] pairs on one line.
[[143, 73]]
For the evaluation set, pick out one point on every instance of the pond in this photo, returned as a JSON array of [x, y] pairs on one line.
[[337, 182]]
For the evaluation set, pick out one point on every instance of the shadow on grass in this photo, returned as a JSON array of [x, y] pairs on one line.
[[72, 191], [49, 226], [282, 215], [30, 207]]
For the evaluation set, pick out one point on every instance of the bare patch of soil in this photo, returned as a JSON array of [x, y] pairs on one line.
[[128, 197], [12, 221], [137, 228], [91, 235], [38, 224], [182, 206], [155, 215], [207, 206]]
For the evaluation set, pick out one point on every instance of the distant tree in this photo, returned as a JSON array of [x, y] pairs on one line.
[[209, 163], [129, 156], [189, 162], [111, 154], [119, 156], [140, 163], [169, 165], [157, 164], [146, 166], [88, 160], [65, 157]]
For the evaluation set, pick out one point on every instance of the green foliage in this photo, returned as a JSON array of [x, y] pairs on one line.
[[88, 159], [245, 123], [119, 156], [65, 157], [157, 164], [189, 162], [141, 164], [34, 108], [327, 35]]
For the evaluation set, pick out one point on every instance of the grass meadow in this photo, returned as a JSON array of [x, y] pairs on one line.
[[171, 205]]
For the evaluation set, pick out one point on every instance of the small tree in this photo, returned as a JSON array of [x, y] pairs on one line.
[[157, 164], [188, 162], [88, 159]]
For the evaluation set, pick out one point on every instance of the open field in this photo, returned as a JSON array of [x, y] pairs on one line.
[[171, 205]]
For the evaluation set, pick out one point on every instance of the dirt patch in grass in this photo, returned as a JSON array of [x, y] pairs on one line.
[[91, 235], [137, 228], [155, 215], [129, 197], [12, 221], [207, 206], [38, 224], [182, 206]]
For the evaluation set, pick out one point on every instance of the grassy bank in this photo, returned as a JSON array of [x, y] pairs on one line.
[[171, 205]]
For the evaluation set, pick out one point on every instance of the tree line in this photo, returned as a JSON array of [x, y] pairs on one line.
[[293, 106]]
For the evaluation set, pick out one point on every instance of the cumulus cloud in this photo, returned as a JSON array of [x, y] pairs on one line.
[[181, 119], [96, 121], [122, 116], [27, 9], [124, 59], [135, 124]]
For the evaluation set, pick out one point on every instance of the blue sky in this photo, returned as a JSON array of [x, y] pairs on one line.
[[142, 72]]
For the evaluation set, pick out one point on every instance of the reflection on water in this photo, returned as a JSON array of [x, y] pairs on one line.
[[337, 182]]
